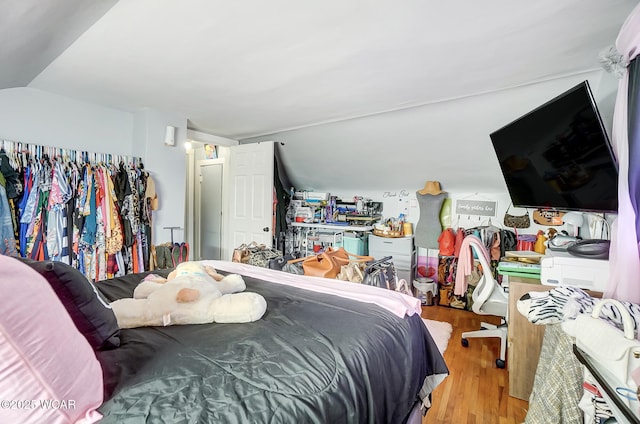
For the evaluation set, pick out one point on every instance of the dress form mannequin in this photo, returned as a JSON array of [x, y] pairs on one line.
[[428, 228]]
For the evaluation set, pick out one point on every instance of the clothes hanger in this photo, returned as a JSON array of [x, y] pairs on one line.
[[457, 224]]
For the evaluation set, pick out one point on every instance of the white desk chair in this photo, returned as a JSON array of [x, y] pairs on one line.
[[489, 298]]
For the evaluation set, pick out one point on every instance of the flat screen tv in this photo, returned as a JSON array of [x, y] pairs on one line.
[[558, 156]]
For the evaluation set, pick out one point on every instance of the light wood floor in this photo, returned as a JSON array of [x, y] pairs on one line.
[[476, 391]]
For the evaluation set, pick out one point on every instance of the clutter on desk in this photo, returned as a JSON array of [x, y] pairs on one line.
[[393, 227], [519, 269], [524, 263], [560, 240], [540, 245], [527, 257], [320, 207], [360, 211]]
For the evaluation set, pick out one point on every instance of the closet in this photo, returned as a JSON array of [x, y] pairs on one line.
[[92, 211]]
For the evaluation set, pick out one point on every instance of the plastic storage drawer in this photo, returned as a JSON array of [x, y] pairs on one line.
[[389, 246]]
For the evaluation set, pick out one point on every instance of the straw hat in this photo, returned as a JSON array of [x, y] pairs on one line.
[[431, 187]]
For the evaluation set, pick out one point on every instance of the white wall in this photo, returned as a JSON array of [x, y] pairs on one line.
[[370, 156], [37, 117], [167, 166], [403, 201], [388, 157], [447, 142]]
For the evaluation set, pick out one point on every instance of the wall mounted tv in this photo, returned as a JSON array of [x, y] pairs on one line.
[[558, 156]]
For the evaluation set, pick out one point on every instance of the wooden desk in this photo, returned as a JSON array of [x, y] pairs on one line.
[[524, 339]]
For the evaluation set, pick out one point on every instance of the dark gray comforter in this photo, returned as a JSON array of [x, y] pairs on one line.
[[313, 358]]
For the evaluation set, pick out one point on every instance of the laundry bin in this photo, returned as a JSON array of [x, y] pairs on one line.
[[426, 290]]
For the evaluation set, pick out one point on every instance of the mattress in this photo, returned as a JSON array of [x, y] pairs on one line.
[[313, 358]]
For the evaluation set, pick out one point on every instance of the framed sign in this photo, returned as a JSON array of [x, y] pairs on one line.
[[476, 207]]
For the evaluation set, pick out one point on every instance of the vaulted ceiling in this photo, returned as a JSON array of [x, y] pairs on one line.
[[248, 67]]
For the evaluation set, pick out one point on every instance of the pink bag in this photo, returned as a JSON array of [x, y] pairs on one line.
[[458, 243]]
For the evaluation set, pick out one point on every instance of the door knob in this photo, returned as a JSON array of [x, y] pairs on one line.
[[265, 229]]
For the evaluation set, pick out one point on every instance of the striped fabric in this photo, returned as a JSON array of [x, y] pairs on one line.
[[564, 303]]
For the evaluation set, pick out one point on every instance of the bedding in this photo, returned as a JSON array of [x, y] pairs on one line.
[[314, 357], [48, 370], [89, 311]]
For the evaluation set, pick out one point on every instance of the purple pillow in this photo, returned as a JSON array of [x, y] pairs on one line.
[[89, 310]]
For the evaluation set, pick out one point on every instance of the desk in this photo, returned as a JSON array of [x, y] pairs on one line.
[[333, 227], [524, 339]]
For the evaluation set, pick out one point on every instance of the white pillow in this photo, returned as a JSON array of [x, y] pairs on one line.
[[48, 370]]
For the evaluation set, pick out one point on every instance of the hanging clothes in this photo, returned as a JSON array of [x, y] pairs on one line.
[[57, 237], [72, 207], [13, 186], [7, 240], [26, 210], [465, 262]]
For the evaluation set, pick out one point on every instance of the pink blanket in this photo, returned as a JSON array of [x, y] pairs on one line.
[[395, 302]]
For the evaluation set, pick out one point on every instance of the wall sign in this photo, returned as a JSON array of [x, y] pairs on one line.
[[476, 207]]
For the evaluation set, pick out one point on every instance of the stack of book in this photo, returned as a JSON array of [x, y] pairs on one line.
[[520, 264]]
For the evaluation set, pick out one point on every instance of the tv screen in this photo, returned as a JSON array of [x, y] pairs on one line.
[[558, 156]]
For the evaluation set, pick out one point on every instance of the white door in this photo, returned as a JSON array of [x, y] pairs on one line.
[[250, 195]]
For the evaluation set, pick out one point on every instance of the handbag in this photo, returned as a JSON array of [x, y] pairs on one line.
[[279, 262], [351, 272], [611, 349], [240, 254], [513, 221], [293, 268], [381, 273], [508, 241], [446, 242], [255, 254], [525, 242], [328, 263]]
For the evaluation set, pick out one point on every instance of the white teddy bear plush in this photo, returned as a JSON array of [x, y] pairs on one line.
[[192, 294]]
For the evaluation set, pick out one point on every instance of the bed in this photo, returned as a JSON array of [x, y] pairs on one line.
[[318, 355]]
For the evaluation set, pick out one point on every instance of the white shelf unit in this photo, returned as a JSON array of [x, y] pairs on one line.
[[319, 237], [327, 235]]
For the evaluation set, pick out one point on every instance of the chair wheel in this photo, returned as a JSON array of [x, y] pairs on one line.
[[499, 363], [465, 342]]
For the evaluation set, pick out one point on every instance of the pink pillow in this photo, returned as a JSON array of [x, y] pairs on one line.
[[48, 371]]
